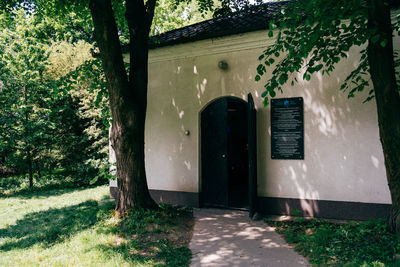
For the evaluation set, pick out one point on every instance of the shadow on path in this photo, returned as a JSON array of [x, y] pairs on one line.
[[230, 238]]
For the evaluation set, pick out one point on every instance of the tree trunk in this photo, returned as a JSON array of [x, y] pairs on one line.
[[128, 101], [37, 167], [29, 157], [380, 57]]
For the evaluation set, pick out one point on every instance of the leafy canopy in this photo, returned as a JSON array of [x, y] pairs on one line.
[[52, 97], [313, 36]]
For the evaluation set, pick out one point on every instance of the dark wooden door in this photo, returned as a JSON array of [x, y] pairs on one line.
[[252, 155], [214, 154]]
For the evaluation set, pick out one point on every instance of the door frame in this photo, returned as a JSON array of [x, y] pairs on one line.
[[200, 176]]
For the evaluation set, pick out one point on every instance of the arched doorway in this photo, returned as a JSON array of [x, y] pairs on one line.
[[226, 180]]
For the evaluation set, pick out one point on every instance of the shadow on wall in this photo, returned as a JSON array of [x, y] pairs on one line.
[[343, 158], [323, 208], [173, 116]]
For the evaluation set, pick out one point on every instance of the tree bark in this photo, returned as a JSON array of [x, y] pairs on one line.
[[381, 63], [37, 167], [30, 167], [128, 100]]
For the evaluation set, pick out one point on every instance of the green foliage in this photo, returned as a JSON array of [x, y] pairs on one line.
[[18, 184], [48, 123], [170, 15], [353, 244], [313, 36], [69, 131], [84, 139], [25, 125]]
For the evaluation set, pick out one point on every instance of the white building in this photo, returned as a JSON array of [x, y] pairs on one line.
[[197, 135]]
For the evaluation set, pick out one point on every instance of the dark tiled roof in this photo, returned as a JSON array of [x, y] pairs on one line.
[[253, 19], [256, 18]]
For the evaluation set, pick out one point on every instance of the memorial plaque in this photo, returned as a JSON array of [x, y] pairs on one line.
[[287, 128]]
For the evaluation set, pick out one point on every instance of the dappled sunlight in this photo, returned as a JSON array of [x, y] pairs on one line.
[[188, 164], [298, 176], [203, 86], [169, 129], [207, 219], [323, 118], [341, 146], [232, 239], [309, 207], [343, 157], [190, 83], [268, 243], [251, 232], [375, 161], [178, 110]]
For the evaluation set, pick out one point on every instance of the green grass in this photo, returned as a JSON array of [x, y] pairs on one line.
[[76, 227], [351, 244]]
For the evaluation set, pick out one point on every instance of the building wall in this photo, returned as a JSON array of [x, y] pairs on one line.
[[343, 155]]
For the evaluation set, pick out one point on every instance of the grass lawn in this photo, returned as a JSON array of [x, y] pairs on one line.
[[76, 227], [348, 244]]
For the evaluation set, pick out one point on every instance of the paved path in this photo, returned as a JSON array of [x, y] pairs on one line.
[[230, 238]]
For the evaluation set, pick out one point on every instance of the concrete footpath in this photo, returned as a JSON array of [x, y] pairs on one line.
[[230, 238]]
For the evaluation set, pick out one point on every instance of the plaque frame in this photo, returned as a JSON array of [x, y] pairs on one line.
[[287, 128]]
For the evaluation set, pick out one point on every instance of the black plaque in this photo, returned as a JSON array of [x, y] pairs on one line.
[[287, 128]]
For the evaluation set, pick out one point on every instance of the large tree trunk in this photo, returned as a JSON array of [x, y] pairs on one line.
[[128, 101], [381, 63]]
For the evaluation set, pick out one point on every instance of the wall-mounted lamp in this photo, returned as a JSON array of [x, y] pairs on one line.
[[223, 65], [187, 132]]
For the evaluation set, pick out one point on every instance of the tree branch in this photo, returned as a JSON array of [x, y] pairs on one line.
[[150, 6], [106, 34], [139, 17]]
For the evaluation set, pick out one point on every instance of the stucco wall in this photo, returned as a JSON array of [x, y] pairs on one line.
[[343, 156]]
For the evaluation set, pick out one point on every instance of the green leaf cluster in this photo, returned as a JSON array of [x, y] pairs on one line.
[[171, 15], [46, 123], [313, 36]]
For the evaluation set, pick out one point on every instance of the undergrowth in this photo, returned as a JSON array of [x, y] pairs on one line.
[[161, 235], [350, 244], [19, 184]]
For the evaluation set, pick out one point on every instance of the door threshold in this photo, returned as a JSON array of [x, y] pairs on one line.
[[225, 208], [238, 208]]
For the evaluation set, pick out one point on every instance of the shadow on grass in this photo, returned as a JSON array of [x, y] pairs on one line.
[[158, 253], [49, 227], [158, 237]]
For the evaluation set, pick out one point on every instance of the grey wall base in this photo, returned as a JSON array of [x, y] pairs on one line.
[[341, 210], [113, 192], [176, 197], [171, 197], [322, 208]]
